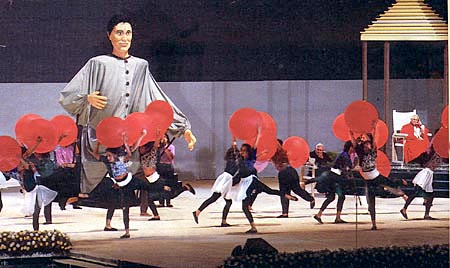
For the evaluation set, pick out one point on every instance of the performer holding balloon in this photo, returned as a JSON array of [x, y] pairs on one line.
[[116, 190], [288, 181], [148, 154], [116, 84], [68, 170], [333, 182], [249, 184], [165, 168], [366, 150], [362, 117], [37, 193], [222, 185], [44, 171], [423, 186], [258, 130]]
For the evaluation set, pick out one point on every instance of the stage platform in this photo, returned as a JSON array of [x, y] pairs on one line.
[[176, 241]]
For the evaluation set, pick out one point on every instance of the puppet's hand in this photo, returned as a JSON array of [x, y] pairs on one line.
[[190, 139], [96, 100]]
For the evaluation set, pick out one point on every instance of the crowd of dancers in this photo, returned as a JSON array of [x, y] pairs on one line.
[[45, 180]]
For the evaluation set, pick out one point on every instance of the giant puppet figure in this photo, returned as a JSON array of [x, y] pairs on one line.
[[116, 84]]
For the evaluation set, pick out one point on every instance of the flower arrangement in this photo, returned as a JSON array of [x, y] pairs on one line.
[[27, 243], [413, 256]]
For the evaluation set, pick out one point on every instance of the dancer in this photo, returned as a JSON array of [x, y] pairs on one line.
[[333, 182], [367, 152], [3, 179], [37, 195], [423, 187], [250, 186], [147, 172], [116, 84], [118, 186], [222, 185], [288, 180], [67, 168], [44, 169], [166, 155]]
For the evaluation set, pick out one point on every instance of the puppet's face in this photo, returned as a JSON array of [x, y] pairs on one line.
[[120, 38]]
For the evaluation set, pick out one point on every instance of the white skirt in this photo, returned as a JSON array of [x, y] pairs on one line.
[[223, 185], [368, 176], [2, 179], [241, 190], [424, 179], [41, 194]]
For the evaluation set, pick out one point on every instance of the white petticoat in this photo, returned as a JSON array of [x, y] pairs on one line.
[[368, 176], [152, 178], [223, 185], [424, 179], [41, 194], [2, 179], [241, 191]]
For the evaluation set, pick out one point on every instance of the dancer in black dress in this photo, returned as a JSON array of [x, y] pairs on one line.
[[222, 186], [333, 182], [423, 186], [117, 189], [288, 180], [366, 150], [38, 194], [147, 172], [249, 184]]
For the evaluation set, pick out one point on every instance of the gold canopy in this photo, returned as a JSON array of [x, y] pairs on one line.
[[407, 20]]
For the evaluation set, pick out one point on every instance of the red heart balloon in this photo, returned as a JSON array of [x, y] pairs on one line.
[[44, 129], [244, 123], [10, 153], [383, 164], [360, 116], [382, 133], [444, 117], [268, 124], [297, 150], [21, 127], [266, 148], [66, 127], [161, 113], [136, 123], [340, 128], [440, 142], [110, 132]]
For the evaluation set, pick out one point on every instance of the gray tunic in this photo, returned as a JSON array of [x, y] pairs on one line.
[[128, 84], [129, 87]]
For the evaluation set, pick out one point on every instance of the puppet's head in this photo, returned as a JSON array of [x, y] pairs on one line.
[[120, 33]]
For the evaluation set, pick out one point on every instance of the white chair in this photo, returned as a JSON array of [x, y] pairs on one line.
[[308, 172], [399, 119]]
